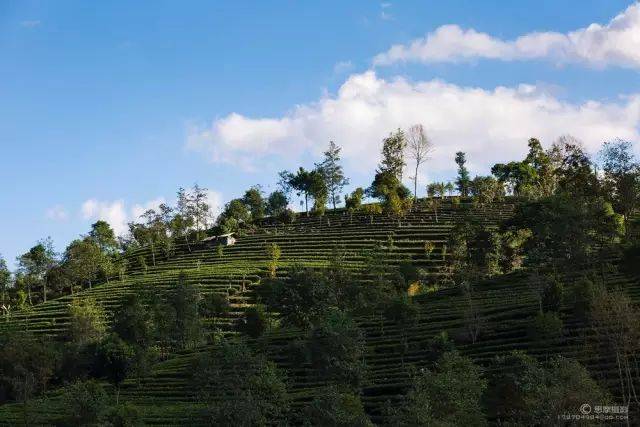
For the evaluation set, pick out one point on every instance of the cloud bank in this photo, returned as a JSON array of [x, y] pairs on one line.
[[614, 44], [490, 125], [118, 215]]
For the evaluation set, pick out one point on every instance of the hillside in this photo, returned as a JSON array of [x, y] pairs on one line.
[[507, 304]]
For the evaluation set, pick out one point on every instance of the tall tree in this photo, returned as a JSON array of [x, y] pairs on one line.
[[393, 148], [200, 209], [104, 236], [463, 180], [332, 172], [35, 263], [255, 202], [5, 279], [621, 176], [419, 147], [276, 203], [183, 220]]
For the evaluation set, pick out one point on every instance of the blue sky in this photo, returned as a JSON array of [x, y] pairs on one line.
[[108, 107]]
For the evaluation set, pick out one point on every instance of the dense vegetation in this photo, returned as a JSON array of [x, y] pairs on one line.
[[508, 299]]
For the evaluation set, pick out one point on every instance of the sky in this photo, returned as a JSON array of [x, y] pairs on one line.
[[106, 108]]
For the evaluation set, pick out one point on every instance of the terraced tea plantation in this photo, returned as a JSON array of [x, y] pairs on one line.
[[506, 306]]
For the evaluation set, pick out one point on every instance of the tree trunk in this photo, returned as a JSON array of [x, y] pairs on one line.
[[44, 291], [415, 183], [29, 293]]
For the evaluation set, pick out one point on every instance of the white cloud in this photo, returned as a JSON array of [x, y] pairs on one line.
[[616, 43], [112, 212], [139, 209], [118, 215], [57, 213], [490, 125], [30, 23], [342, 67]]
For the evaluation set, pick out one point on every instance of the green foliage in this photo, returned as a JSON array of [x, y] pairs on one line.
[[393, 162], [86, 402], [88, 321], [123, 415], [448, 396], [114, 360], [553, 295], [463, 180], [333, 408], [255, 202], [302, 298], [276, 204], [546, 328], [239, 387], [331, 170], [255, 322], [353, 202], [186, 331], [273, 255], [337, 348], [27, 365], [234, 216], [524, 392], [214, 305]]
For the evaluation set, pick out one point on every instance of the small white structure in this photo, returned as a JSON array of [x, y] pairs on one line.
[[223, 239]]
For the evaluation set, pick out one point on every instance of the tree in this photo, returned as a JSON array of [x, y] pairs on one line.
[[5, 280], [616, 326], [184, 219], [573, 168], [318, 191], [27, 365], [234, 216], [463, 180], [621, 176], [255, 202], [300, 182], [84, 261], [86, 402], [133, 322], [102, 234], [276, 203], [87, 321], [337, 409], [302, 298], [354, 200], [34, 265], [184, 301], [255, 322], [239, 387], [393, 148], [200, 208], [523, 391], [273, 254], [113, 361], [337, 348], [331, 170], [419, 147], [448, 396]]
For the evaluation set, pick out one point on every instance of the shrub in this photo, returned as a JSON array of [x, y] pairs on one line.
[[335, 408], [448, 396], [546, 327], [86, 402], [255, 323]]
